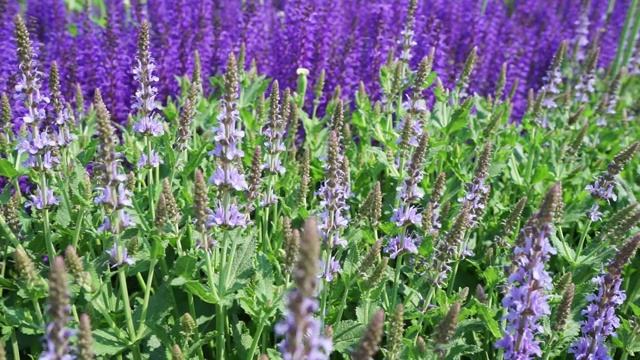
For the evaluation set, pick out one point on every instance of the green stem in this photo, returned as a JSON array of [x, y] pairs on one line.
[[396, 279], [617, 62], [124, 293], [192, 311], [254, 343], [220, 310], [581, 243], [454, 272], [47, 234], [325, 286], [76, 234], [152, 207], [432, 291], [632, 35], [14, 345], [147, 294], [343, 303], [36, 307]]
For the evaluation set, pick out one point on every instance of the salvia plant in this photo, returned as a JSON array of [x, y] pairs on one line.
[[308, 180]]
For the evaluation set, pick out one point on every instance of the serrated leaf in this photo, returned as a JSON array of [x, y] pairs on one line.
[[485, 314], [346, 334], [242, 266], [62, 216], [201, 292], [106, 343], [564, 250], [7, 169], [185, 266]]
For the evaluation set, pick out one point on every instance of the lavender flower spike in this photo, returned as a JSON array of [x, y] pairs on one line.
[[602, 321], [333, 194], [228, 137], [147, 122], [57, 334], [526, 300], [303, 338]]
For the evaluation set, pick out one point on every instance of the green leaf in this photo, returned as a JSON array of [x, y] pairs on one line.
[[201, 292], [62, 216], [485, 314], [346, 334], [185, 266], [6, 195], [7, 169], [242, 266], [106, 343]]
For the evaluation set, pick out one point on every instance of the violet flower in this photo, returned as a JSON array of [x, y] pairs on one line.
[[147, 122], [333, 193], [227, 151], [602, 321], [526, 300], [41, 201], [408, 244], [116, 260]]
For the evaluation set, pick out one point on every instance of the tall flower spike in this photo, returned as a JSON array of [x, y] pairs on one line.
[[445, 330], [601, 319], [187, 114], [85, 339], [564, 308], [511, 222], [602, 189], [305, 178], [396, 332], [526, 300], [469, 64], [291, 244], [147, 121], [303, 338], [553, 78], [333, 194], [228, 177], [500, 84], [255, 176], [477, 191], [451, 247], [25, 266], [369, 342], [57, 334], [274, 132], [201, 211]]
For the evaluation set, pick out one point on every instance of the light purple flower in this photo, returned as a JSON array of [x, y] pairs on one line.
[[117, 260], [594, 214], [156, 160], [229, 217], [303, 338], [334, 268], [406, 215], [526, 300], [601, 319], [402, 244], [39, 201]]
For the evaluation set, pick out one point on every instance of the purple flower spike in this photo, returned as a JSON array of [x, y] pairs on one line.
[[526, 300]]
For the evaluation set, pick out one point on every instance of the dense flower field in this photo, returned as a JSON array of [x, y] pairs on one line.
[[315, 179]]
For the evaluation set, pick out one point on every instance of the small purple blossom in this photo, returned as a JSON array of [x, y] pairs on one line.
[[602, 189], [594, 214], [155, 161], [406, 215], [403, 244], [116, 260], [229, 217], [40, 201], [334, 268]]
